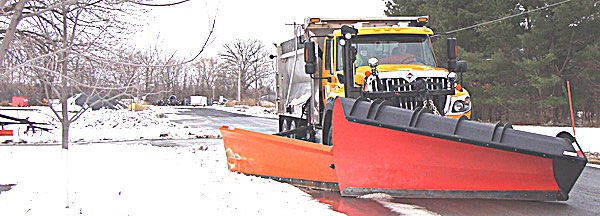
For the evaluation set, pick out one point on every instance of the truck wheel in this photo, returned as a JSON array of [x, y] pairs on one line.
[[329, 137], [327, 129], [327, 119]]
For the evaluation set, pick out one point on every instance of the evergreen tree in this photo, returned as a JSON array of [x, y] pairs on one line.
[[519, 65]]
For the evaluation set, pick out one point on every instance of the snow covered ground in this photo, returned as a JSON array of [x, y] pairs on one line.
[[133, 179], [106, 178], [251, 110], [112, 179], [586, 137]]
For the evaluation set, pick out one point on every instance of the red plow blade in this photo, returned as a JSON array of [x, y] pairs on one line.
[[420, 155]]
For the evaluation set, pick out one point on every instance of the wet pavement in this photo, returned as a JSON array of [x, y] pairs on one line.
[[584, 197], [348, 205], [201, 117], [174, 143], [584, 200]]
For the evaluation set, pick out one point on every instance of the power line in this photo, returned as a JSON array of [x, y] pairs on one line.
[[507, 17], [159, 5]]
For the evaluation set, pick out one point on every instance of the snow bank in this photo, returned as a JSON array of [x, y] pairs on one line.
[[257, 111], [105, 125], [110, 179], [586, 137]]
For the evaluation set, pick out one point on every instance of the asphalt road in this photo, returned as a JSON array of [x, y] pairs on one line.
[[584, 197], [201, 117]]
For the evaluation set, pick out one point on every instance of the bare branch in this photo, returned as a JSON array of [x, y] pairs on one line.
[[75, 81], [50, 8], [159, 5], [12, 28]]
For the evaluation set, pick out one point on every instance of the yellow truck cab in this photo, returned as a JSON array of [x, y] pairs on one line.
[[404, 54]]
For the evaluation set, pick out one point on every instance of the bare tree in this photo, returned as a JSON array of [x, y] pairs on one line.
[[249, 58], [70, 46], [207, 70], [152, 63], [17, 11], [86, 27]]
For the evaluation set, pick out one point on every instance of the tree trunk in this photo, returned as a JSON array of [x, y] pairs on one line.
[[64, 92], [65, 132]]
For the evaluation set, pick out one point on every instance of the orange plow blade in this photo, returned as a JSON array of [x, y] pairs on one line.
[[280, 158]]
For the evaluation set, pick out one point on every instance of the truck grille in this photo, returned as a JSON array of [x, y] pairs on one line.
[[410, 103], [440, 85], [401, 85]]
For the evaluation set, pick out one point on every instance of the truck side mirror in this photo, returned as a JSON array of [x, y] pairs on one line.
[[461, 66], [353, 53], [452, 53], [310, 59], [348, 31]]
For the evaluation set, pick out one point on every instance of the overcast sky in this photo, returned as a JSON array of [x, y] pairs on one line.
[[183, 28]]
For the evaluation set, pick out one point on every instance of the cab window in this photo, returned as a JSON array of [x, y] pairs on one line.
[[328, 54]]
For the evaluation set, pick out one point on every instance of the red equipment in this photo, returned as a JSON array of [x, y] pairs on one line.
[[20, 101], [412, 153]]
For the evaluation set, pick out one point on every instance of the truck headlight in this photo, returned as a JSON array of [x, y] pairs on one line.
[[458, 106], [461, 105]]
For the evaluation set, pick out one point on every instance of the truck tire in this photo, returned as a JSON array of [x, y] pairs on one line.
[[328, 140], [327, 117]]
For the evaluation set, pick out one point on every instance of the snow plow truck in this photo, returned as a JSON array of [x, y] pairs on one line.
[[366, 108]]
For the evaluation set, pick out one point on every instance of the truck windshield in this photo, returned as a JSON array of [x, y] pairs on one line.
[[392, 49]]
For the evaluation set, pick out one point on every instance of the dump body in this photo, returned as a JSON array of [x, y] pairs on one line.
[[293, 85]]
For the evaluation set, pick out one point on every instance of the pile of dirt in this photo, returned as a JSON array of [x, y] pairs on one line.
[[593, 157]]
